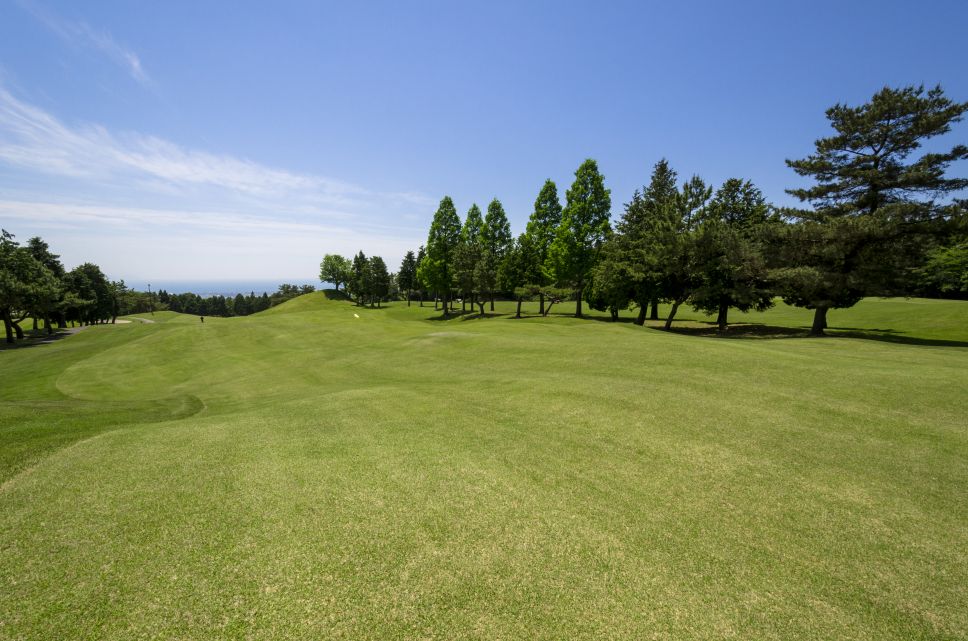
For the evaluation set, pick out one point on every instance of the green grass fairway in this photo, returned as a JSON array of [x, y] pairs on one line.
[[320, 471]]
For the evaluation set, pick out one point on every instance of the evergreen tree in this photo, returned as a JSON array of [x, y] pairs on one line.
[[420, 284], [541, 229], [870, 199], [407, 276], [468, 253], [516, 272], [437, 268], [359, 281], [583, 229], [634, 257], [679, 276], [730, 261], [24, 284], [496, 240], [609, 286], [91, 286], [379, 280], [47, 307]]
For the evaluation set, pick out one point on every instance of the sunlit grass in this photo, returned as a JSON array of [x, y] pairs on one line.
[[326, 471]]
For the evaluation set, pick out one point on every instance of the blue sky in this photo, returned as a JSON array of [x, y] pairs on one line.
[[241, 140]]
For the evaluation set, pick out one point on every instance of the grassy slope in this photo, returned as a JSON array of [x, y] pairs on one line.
[[307, 474]]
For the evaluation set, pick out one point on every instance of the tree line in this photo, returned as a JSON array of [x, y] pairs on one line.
[[366, 280], [35, 285], [877, 220], [227, 306]]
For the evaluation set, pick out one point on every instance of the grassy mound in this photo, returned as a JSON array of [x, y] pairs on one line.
[[327, 471]]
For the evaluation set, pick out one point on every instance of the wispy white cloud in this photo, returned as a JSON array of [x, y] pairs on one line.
[[81, 34], [132, 242], [32, 139], [78, 183]]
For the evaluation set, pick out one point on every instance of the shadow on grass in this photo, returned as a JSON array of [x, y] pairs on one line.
[[456, 314], [332, 294], [40, 337], [606, 319], [765, 332]]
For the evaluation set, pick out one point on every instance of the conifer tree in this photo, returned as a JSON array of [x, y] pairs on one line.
[[635, 255], [379, 280], [541, 229], [730, 261], [407, 276], [496, 240], [583, 229], [358, 283], [468, 254], [419, 282], [680, 278], [871, 196], [437, 268]]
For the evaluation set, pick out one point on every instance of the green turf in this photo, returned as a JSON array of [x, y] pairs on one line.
[[321, 471]]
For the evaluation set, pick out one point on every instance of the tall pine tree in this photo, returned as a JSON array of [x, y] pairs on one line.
[[870, 199]]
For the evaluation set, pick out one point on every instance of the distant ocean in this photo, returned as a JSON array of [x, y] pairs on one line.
[[206, 288]]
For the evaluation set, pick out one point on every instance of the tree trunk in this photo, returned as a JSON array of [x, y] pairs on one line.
[[819, 321], [49, 325], [35, 323], [640, 319], [20, 332], [408, 297], [8, 326], [541, 304], [578, 304], [614, 313], [445, 304], [480, 303], [463, 305], [548, 308], [721, 320], [518, 313], [672, 314], [492, 302], [654, 315]]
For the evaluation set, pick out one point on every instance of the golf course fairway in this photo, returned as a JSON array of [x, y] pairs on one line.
[[325, 471]]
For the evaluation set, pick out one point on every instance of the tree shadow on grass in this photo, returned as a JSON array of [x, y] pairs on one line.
[[454, 314], [41, 337], [607, 319], [765, 332]]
